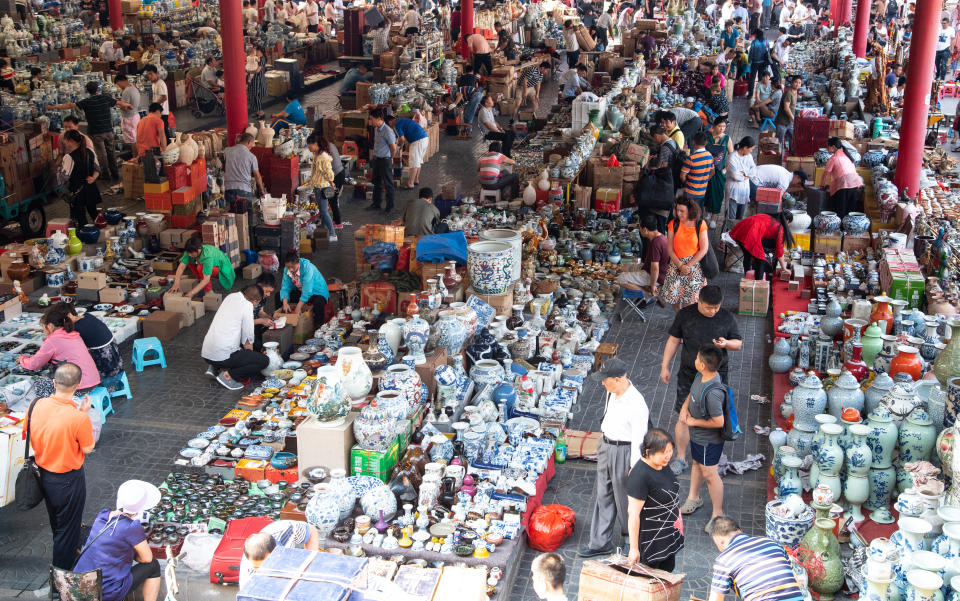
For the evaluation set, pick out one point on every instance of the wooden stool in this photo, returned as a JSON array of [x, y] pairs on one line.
[[464, 131], [605, 351]]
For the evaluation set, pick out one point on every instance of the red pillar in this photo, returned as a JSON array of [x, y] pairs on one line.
[[466, 25], [116, 14], [234, 76], [916, 95], [861, 28]]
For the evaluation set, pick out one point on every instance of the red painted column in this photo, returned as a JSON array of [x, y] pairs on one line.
[[116, 14], [234, 76], [861, 28], [916, 95], [466, 25]]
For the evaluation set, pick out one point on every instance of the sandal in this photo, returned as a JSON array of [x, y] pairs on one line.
[[691, 505]]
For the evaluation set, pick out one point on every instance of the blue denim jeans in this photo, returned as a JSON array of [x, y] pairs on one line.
[[470, 112], [324, 207], [237, 200]]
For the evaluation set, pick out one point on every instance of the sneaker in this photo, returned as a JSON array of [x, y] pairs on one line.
[[228, 382], [333, 239], [210, 373], [586, 551], [678, 466]]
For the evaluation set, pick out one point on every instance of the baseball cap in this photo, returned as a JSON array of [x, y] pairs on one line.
[[612, 368], [137, 496]]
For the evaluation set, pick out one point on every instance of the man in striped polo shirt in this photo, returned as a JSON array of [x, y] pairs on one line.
[[697, 170], [756, 567]]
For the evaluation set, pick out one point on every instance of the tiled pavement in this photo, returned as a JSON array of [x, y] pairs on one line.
[[170, 405]]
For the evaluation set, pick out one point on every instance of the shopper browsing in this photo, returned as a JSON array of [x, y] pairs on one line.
[[96, 107], [702, 412], [303, 283], [204, 262], [548, 573], [696, 326], [80, 170], [624, 425], [159, 95], [756, 567], [150, 133], [653, 497], [321, 182], [99, 341], [281, 533], [480, 50], [740, 168], [62, 344], [688, 244], [61, 435], [840, 175], [411, 133], [240, 166], [760, 234], [129, 105], [650, 275], [228, 345], [384, 149], [421, 216], [118, 547]]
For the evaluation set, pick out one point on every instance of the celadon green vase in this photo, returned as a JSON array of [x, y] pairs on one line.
[[872, 343], [947, 364], [819, 553]]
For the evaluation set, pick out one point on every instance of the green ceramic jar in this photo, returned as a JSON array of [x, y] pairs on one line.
[[947, 364], [872, 343], [821, 547]]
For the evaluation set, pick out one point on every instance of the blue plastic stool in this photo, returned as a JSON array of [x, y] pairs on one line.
[[632, 300], [767, 121], [141, 347], [121, 383], [101, 402]]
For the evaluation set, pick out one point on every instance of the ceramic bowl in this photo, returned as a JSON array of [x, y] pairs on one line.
[[198, 443], [315, 475], [283, 460], [189, 452], [103, 307], [292, 365]]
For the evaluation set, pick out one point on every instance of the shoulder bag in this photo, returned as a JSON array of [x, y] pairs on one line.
[[28, 489], [708, 264], [80, 586]]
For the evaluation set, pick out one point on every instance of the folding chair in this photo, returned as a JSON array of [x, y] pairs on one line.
[[729, 245], [632, 300]]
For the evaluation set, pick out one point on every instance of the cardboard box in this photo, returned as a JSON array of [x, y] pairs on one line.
[[852, 242], [163, 325], [329, 446], [803, 239], [501, 303], [252, 271], [426, 370], [11, 460], [600, 580], [827, 244], [463, 584], [582, 444], [91, 280], [199, 309], [302, 324], [754, 297], [212, 300], [113, 294], [364, 460]]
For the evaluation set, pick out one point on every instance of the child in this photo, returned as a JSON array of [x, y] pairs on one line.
[[703, 412]]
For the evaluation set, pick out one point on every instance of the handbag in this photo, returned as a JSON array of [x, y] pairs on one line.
[[80, 586], [28, 489]]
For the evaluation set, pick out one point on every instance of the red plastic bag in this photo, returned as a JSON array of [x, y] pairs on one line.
[[549, 526], [613, 161]]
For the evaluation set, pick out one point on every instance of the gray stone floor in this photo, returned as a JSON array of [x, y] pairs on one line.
[[171, 404]]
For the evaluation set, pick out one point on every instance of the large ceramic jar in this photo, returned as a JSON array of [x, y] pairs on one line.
[[808, 400], [323, 510], [881, 385], [482, 346], [801, 221], [355, 375], [514, 239], [467, 316], [827, 222], [374, 428], [882, 438], [274, 360], [379, 499], [901, 400], [844, 394], [787, 531], [452, 333], [340, 487], [855, 223], [490, 265], [327, 401], [780, 361], [947, 364], [394, 403], [392, 331], [821, 547], [416, 332], [917, 437], [908, 362], [859, 456], [404, 379], [818, 439], [881, 484], [829, 459], [831, 323], [487, 371], [872, 342]]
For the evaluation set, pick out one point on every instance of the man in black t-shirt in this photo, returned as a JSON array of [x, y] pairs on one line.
[[697, 325], [96, 108]]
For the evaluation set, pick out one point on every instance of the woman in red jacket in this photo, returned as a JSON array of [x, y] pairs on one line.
[[760, 234]]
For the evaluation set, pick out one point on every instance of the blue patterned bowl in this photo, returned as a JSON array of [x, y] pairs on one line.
[[785, 530], [283, 460]]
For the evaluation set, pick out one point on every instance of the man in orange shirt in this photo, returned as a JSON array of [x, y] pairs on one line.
[[150, 132], [61, 435]]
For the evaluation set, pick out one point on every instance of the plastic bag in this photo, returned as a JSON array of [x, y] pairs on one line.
[[549, 526], [613, 161], [197, 551]]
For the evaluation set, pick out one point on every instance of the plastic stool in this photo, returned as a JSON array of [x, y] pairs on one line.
[[632, 300], [767, 121], [121, 383], [101, 402], [141, 347], [491, 196]]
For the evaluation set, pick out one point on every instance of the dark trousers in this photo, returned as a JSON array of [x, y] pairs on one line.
[[506, 139], [667, 564], [775, 67], [317, 302], [338, 180], [755, 70], [572, 57], [506, 180], [845, 200], [258, 331], [482, 60], [64, 495], [383, 181], [166, 126], [79, 208], [242, 364], [942, 59], [759, 266]]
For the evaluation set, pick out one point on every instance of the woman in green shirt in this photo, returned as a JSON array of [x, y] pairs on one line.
[[204, 261], [719, 145]]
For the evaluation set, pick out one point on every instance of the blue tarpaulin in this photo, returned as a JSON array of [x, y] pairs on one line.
[[437, 248]]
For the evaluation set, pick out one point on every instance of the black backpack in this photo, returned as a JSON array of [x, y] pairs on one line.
[[676, 164]]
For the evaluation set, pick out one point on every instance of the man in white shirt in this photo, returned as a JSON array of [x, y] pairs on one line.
[[944, 42], [624, 425], [775, 176], [411, 21], [548, 573], [573, 81], [743, 13], [605, 22], [270, 11], [573, 45], [208, 76], [251, 17], [312, 9], [160, 95], [228, 345], [111, 52], [786, 15]]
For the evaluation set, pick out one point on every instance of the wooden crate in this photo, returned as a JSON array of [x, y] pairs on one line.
[[384, 233]]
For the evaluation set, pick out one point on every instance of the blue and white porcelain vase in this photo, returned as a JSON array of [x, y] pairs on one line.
[[827, 222], [487, 371], [882, 483], [790, 483], [490, 265], [416, 332], [392, 332], [829, 459], [818, 439], [375, 428], [844, 394], [859, 457], [882, 439], [323, 510], [383, 345], [404, 379], [452, 333], [394, 403], [808, 400], [377, 499], [917, 436], [855, 223], [341, 489], [780, 361], [879, 388], [787, 531]]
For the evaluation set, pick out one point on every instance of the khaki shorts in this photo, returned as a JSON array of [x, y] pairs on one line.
[[418, 150], [636, 278]]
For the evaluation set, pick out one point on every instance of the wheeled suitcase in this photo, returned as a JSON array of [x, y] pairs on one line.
[[225, 567]]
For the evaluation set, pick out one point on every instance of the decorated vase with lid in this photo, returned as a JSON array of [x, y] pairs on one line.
[[917, 437], [808, 400], [844, 394], [881, 385]]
